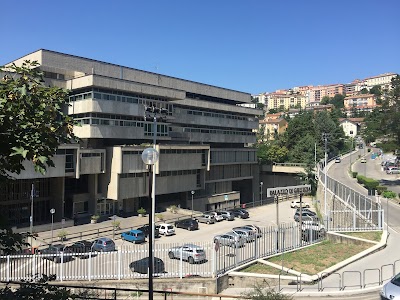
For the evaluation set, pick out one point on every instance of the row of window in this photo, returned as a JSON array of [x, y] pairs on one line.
[[92, 154], [180, 151], [218, 131], [122, 97], [216, 115], [162, 174]]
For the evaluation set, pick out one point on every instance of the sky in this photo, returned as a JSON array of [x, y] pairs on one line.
[[252, 46]]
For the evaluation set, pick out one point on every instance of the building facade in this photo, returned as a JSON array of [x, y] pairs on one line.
[[203, 144]]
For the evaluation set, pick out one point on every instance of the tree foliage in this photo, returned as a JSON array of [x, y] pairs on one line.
[[391, 109], [33, 121]]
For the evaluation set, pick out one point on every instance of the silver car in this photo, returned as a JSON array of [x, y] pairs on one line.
[[229, 216], [104, 244], [230, 239], [391, 290], [246, 234], [189, 252]]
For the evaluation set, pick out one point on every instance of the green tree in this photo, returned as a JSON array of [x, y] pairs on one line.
[[33, 122], [338, 101], [364, 91], [325, 100], [391, 108], [276, 153]]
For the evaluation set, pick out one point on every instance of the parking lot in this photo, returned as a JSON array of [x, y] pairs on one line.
[[116, 264]]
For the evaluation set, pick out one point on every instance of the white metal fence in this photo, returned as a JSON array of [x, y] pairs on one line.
[[117, 264]]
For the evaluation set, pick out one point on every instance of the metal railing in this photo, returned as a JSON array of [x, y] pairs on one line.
[[117, 265]]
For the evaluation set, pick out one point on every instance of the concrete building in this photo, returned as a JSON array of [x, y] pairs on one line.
[[203, 145], [351, 126], [283, 100], [273, 126]]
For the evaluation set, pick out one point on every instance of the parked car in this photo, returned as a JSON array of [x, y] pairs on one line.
[[388, 164], [391, 290], [230, 239], [314, 225], [104, 244], [296, 204], [134, 236], [338, 160], [217, 215], [166, 229], [57, 253], [254, 228], [189, 252], [363, 160], [306, 210], [81, 249], [247, 234], [310, 234], [142, 266], [393, 170], [240, 213], [146, 228], [206, 218], [305, 215], [228, 215], [189, 224]]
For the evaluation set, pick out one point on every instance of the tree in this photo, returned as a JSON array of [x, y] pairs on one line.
[[391, 108], [325, 100], [338, 101], [33, 122]]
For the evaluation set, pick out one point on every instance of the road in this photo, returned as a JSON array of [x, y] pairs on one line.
[[371, 169]]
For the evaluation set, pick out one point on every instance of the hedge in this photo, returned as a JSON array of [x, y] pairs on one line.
[[354, 174], [381, 189], [389, 194], [369, 183]]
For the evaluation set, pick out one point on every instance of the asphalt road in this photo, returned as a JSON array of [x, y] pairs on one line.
[[371, 169]]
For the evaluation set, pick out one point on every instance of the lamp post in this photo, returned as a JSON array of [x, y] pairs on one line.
[[261, 191], [192, 192], [150, 157], [52, 211]]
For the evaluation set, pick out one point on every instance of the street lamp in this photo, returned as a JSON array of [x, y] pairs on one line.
[[52, 211], [150, 157], [192, 192], [261, 191]]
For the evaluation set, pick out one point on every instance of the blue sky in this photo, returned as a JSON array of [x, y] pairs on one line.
[[250, 46]]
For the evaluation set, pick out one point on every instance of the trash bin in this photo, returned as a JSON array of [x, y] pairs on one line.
[[244, 205]]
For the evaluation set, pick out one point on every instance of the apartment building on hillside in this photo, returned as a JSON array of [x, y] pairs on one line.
[[203, 145], [273, 126], [284, 100], [363, 102]]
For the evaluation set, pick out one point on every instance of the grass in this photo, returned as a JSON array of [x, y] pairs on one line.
[[367, 235], [311, 260], [261, 268]]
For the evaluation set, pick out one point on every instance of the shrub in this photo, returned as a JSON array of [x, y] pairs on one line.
[[160, 216], [369, 150], [116, 224], [354, 174], [370, 183], [62, 234], [141, 211], [173, 209], [381, 189], [389, 194], [95, 217], [361, 179]]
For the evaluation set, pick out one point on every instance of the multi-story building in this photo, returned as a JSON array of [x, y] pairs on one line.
[[363, 102], [203, 144], [351, 126], [283, 100], [316, 93], [273, 125]]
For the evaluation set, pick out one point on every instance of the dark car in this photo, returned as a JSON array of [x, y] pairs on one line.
[[240, 213], [145, 229], [305, 216], [310, 212], [142, 266], [188, 224], [309, 234], [81, 249], [57, 253]]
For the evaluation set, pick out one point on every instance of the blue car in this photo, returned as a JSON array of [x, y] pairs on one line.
[[134, 236]]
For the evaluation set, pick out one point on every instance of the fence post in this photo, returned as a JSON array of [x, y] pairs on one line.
[[8, 267], [214, 262], [119, 264], [90, 266]]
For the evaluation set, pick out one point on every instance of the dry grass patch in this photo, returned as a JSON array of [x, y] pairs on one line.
[[261, 268], [367, 235]]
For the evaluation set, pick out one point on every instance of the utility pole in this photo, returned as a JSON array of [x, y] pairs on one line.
[[325, 137]]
